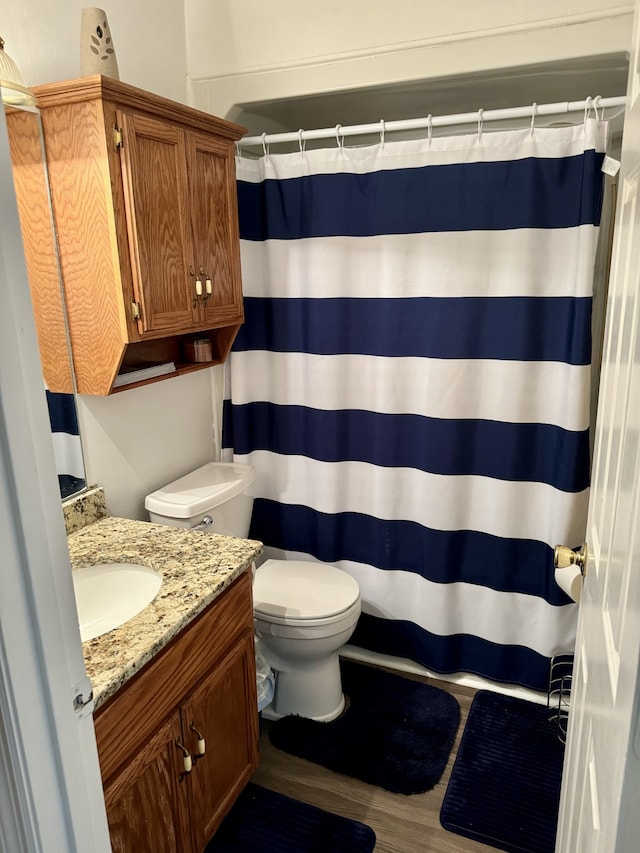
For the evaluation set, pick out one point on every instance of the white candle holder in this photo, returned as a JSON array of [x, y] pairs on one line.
[[97, 52]]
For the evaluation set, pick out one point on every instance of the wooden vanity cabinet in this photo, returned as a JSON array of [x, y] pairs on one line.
[[144, 201], [201, 686]]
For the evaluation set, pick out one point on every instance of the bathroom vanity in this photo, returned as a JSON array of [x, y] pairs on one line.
[[175, 689]]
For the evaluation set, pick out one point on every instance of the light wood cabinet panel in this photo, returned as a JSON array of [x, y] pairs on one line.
[[32, 193], [143, 194], [155, 180], [147, 806], [77, 160], [220, 710], [205, 678], [214, 220]]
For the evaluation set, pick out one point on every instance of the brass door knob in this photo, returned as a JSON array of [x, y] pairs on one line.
[[565, 557]]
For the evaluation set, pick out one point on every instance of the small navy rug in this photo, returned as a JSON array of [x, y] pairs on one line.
[[504, 788], [396, 733], [262, 821]]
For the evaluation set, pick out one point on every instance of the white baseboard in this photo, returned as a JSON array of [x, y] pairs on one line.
[[475, 681]]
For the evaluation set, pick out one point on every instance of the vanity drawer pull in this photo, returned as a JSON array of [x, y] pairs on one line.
[[201, 743], [186, 758]]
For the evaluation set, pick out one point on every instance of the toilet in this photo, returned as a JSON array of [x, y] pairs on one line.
[[304, 612]]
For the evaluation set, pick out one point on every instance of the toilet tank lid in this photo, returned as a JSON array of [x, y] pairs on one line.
[[302, 590], [201, 490]]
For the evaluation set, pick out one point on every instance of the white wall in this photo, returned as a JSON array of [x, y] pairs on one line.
[[43, 37], [137, 440], [246, 51]]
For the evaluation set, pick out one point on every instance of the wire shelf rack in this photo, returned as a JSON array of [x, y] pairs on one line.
[[559, 693]]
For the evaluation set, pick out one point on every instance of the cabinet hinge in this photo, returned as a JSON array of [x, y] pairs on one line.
[[135, 310], [117, 138]]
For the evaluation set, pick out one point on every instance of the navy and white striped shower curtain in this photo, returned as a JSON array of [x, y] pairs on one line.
[[67, 448], [412, 382]]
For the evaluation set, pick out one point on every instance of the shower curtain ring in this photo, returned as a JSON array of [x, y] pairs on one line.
[[534, 112], [265, 147], [301, 141], [238, 151], [339, 140], [480, 123], [596, 104], [429, 128], [382, 129], [588, 104]]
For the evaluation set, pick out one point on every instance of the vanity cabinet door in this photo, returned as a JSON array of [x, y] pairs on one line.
[[223, 710], [147, 805], [154, 172]]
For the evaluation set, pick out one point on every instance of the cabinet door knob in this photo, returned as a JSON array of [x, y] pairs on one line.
[[186, 758], [208, 287], [201, 743], [198, 284], [207, 283]]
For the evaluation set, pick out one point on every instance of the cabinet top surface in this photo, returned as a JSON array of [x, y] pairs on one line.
[[196, 568], [99, 87]]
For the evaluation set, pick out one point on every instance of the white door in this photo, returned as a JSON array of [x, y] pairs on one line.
[[600, 803]]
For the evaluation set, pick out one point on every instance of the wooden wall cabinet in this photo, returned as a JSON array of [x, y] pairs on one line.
[[144, 201], [202, 686]]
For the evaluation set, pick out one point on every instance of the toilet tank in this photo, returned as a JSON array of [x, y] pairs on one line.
[[222, 490]]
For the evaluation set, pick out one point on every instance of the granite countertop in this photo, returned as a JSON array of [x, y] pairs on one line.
[[195, 567]]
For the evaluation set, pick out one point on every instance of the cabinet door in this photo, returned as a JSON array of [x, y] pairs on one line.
[[155, 180], [147, 803], [223, 709], [214, 219]]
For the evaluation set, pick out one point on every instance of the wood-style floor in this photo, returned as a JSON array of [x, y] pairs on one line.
[[402, 824]]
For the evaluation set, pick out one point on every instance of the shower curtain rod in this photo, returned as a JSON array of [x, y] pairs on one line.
[[533, 111]]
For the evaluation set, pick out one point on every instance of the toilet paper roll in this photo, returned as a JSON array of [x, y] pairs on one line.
[[570, 580]]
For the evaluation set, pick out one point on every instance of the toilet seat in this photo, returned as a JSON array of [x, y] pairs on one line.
[[282, 623], [299, 593]]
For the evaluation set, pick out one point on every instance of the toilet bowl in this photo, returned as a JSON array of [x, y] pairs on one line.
[[304, 612]]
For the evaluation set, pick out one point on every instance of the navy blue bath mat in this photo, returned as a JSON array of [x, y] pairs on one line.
[[262, 821], [504, 788], [396, 733]]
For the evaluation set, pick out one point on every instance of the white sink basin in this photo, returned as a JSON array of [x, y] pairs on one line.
[[109, 594]]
